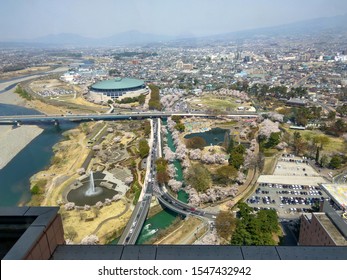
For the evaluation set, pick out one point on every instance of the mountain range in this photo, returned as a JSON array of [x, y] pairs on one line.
[[329, 25]]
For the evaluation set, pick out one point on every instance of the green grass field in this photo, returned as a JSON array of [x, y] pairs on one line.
[[335, 144], [211, 102]]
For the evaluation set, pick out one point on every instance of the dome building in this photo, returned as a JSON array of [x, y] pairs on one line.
[[117, 88]]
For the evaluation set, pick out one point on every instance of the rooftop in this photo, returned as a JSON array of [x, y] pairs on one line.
[[338, 192], [197, 252], [118, 84], [291, 180], [34, 231], [331, 229]]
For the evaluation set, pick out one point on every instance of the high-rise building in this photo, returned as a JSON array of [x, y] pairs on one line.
[[325, 228]]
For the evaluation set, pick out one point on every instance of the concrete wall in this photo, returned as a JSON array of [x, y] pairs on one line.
[[312, 233]]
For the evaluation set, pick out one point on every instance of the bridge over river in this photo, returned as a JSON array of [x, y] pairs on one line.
[[30, 119]]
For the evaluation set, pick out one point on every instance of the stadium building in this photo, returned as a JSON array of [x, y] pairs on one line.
[[117, 88]]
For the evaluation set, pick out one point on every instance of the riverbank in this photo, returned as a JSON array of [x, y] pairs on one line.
[[114, 151], [13, 140], [186, 231], [69, 156], [26, 71], [12, 98]]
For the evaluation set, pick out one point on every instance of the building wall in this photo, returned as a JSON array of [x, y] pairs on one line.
[[102, 96], [45, 246], [312, 233]]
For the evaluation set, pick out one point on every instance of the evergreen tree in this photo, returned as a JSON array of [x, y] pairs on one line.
[[317, 155]]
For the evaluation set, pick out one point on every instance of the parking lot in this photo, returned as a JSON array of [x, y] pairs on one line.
[[288, 200], [294, 166], [291, 190]]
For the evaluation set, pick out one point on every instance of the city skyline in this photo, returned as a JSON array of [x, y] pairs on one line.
[[27, 20]]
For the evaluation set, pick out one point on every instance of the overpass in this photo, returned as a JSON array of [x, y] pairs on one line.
[[30, 119], [180, 207]]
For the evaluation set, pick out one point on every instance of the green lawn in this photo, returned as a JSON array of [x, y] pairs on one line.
[[211, 102], [335, 144]]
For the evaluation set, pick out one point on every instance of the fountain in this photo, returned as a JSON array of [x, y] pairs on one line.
[[92, 190]]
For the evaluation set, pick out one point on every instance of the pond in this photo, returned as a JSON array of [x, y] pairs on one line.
[[215, 136]]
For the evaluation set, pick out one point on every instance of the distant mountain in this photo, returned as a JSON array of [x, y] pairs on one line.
[[125, 38], [64, 39], [330, 25], [135, 37]]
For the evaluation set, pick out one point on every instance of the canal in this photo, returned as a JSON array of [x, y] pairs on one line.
[[165, 218]]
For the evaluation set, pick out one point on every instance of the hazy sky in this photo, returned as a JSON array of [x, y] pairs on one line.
[[26, 19]]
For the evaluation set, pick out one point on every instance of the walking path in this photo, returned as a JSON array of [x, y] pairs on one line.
[[114, 217]]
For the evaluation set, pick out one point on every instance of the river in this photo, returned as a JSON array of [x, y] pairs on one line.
[[36, 156]]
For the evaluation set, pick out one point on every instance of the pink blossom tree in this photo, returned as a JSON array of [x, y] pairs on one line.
[[195, 154], [267, 127], [90, 240], [69, 206], [168, 154], [175, 185]]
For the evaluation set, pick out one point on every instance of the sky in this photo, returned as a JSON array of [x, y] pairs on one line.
[[29, 19]]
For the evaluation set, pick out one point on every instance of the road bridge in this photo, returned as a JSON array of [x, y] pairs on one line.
[[30, 119], [180, 207]]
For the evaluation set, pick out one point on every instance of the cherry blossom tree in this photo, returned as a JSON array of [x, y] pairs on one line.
[[219, 158], [181, 152], [171, 124], [69, 206], [175, 185], [185, 163], [171, 170], [275, 117], [128, 180], [164, 130], [108, 201], [116, 197], [241, 178], [250, 159], [168, 154], [208, 159], [99, 204], [90, 240], [267, 127], [86, 207], [195, 154], [253, 125], [210, 195], [281, 146], [211, 238]]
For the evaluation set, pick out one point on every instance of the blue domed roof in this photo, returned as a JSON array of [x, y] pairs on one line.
[[118, 84]]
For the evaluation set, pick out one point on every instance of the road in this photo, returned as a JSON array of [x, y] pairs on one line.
[[30, 119], [341, 178], [139, 215], [182, 208]]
